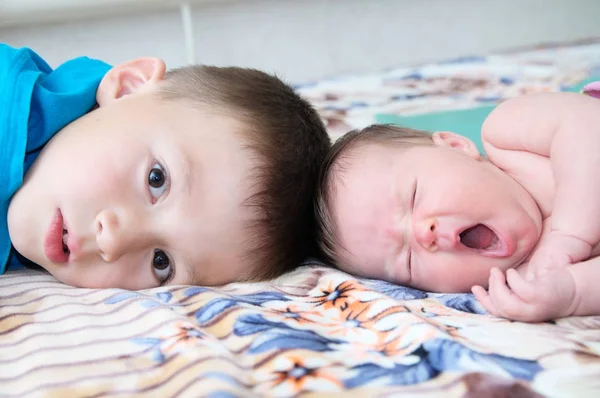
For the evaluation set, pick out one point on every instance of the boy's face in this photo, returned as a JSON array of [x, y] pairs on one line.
[[434, 217], [143, 192]]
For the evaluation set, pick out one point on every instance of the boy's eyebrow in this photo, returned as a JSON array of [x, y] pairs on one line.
[[185, 272], [190, 271], [186, 170]]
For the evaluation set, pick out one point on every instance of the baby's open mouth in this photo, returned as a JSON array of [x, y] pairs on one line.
[[480, 237], [65, 239]]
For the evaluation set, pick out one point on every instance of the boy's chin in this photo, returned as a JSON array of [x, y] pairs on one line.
[[27, 263], [60, 278]]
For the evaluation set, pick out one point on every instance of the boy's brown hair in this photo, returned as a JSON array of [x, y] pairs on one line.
[[333, 167], [290, 141]]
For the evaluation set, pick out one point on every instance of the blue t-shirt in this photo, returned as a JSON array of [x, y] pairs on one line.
[[35, 103]]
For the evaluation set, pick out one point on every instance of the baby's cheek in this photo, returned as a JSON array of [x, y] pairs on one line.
[[362, 270], [451, 273]]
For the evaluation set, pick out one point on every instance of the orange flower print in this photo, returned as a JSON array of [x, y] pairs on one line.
[[339, 296], [297, 376]]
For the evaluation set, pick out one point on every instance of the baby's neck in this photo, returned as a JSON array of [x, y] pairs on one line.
[[524, 264], [522, 269]]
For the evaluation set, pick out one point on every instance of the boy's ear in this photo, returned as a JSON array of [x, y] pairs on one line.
[[129, 77], [456, 141]]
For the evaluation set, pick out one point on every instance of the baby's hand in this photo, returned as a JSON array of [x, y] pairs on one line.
[[549, 297], [556, 250]]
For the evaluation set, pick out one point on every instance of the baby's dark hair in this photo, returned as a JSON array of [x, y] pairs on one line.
[[333, 167], [288, 138]]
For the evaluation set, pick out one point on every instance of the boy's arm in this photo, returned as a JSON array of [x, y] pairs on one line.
[[563, 292], [566, 128]]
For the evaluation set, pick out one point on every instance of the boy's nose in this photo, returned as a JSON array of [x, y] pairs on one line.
[[115, 235]]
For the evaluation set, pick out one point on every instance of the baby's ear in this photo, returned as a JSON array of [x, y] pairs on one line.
[[456, 141], [129, 77]]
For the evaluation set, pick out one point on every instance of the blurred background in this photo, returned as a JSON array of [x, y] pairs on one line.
[[300, 40]]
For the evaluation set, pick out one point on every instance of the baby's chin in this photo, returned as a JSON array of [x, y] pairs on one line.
[[463, 281], [454, 287]]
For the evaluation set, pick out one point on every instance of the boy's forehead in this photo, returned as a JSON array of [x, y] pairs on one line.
[[200, 132]]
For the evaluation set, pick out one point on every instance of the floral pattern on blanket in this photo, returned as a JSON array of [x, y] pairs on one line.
[[315, 330]]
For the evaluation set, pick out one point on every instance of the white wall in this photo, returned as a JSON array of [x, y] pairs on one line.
[[302, 40]]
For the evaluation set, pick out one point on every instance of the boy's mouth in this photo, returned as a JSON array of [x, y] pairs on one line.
[[55, 246], [485, 241], [65, 240]]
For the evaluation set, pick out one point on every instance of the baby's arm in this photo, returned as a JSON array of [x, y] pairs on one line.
[[566, 128], [562, 292], [587, 294]]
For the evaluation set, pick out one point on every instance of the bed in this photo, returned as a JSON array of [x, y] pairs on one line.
[[315, 331]]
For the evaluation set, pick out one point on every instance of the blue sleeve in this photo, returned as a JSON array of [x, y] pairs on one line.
[[61, 95], [35, 103]]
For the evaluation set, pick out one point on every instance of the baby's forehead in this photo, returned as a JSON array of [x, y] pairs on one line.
[[361, 158], [359, 176], [361, 203]]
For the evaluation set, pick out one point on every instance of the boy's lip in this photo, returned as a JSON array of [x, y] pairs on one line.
[[53, 242], [505, 248]]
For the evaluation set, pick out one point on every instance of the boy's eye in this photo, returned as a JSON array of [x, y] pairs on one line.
[[157, 181], [161, 265]]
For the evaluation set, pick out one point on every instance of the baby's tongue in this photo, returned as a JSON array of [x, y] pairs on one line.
[[478, 237]]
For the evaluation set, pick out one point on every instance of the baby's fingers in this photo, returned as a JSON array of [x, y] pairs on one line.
[[519, 286], [507, 303], [484, 298]]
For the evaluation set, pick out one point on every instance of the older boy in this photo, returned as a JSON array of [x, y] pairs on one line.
[[201, 175], [430, 212]]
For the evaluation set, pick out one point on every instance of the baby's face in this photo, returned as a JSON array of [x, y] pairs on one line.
[[135, 194], [432, 217]]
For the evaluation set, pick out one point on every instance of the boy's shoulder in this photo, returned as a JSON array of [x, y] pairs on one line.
[[36, 101], [13, 61]]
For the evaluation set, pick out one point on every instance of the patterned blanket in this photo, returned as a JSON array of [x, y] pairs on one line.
[[316, 331]]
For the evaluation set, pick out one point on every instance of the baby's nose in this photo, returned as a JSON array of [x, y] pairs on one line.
[[433, 236], [425, 234]]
